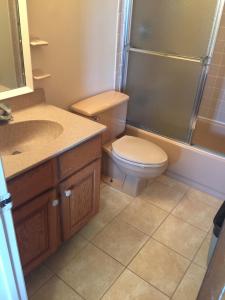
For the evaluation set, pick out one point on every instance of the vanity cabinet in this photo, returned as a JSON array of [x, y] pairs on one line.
[[54, 200]]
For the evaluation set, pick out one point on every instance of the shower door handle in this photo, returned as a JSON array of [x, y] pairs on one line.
[[167, 55]]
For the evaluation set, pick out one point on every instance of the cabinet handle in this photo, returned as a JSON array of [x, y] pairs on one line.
[[68, 193], [55, 203]]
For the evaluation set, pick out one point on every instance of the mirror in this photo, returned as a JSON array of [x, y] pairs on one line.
[[15, 59]]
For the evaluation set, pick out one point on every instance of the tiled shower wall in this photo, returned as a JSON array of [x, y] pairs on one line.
[[213, 102]]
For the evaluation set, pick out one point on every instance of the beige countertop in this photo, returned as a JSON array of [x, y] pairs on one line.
[[76, 130]]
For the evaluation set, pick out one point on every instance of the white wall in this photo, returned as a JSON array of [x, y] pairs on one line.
[[81, 55]]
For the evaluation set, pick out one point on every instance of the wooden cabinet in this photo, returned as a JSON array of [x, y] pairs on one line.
[[33, 183], [80, 198], [37, 229], [77, 158], [52, 201]]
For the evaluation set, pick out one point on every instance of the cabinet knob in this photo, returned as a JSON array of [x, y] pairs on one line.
[[68, 193], [55, 203]]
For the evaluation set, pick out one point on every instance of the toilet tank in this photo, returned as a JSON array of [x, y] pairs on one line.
[[108, 108]]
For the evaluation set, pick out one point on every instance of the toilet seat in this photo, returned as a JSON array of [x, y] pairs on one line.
[[138, 152]]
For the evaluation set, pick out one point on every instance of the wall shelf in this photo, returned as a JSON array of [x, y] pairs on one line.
[[40, 75], [38, 42]]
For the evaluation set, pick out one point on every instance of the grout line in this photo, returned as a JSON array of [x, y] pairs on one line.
[[102, 250], [148, 234], [43, 284], [113, 282], [198, 251], [178, 253], [70, 286], [68, 262], [152, 285], [113, 218], [192, 262]]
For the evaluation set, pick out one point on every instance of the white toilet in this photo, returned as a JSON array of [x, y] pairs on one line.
[[128, 162]]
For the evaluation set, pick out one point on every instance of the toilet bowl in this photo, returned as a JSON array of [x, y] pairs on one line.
[[139, 157], [128, 162], [133, 162]]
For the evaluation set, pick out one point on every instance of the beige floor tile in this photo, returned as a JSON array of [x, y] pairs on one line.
[[206, 198], [112, 202], [180, 236], [196, 213], [143, 215], [91, 272], [131, 287], [37, 278], [120, 240], [162, 195], [66, 253], [56, 289], [190, 285], [201, 257], [177, 185], [103, 185], [160, 266]]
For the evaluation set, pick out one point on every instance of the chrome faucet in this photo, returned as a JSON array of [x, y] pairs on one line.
[[5, 113]]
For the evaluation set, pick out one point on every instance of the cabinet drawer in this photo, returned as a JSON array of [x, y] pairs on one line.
[[82, 155], [26, 186]]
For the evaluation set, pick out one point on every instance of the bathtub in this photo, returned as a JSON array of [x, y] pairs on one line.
[[196, 167], [209, 134]]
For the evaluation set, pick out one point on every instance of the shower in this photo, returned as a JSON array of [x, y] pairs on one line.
[[168, 50]]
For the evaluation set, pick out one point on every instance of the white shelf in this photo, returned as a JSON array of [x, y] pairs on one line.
[[37, 42], [39, 75]]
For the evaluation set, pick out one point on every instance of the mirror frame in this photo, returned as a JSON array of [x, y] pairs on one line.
[[28, 88]]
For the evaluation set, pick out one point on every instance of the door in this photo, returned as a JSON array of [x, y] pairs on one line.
[[12, 286], [80, 198], [168, 51], [37, 229]]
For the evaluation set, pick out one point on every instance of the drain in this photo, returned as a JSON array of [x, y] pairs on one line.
[[16, 152]]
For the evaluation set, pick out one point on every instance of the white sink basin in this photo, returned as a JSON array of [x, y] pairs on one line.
[[25, 136]]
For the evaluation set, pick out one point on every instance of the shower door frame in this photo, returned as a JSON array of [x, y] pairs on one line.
[[205, 61]]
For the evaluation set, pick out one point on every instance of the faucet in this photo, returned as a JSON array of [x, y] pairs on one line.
[[5, 113]]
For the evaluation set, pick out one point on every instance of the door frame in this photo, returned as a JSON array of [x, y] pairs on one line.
[[206, 61]]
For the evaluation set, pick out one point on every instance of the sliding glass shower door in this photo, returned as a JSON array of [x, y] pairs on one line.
[[168, 53]]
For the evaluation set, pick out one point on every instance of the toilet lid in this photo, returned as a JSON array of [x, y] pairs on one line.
[[139, 151]]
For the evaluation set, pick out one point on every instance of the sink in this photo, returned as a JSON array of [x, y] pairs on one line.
[[20, 137]]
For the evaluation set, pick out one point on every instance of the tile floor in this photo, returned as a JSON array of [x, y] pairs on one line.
[[153, 247]]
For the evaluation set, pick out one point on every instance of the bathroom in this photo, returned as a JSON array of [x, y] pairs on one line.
[[112, 140]]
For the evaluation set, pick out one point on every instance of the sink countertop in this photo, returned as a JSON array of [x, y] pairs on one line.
[[76, 129]]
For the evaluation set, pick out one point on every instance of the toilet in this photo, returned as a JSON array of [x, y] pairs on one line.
[[129, 162]]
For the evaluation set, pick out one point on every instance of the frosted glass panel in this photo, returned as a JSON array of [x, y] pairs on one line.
[[162, 94], [175, 26]]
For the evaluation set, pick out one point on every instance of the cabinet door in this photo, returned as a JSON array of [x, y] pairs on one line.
[[37, 229], [80, 198]]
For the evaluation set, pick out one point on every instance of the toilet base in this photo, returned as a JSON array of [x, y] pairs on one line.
[[116, 178]]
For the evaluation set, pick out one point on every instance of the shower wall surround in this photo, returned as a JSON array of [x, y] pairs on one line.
[[213, 102]]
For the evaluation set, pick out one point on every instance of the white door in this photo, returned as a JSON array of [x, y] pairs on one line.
[[12, 286]]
